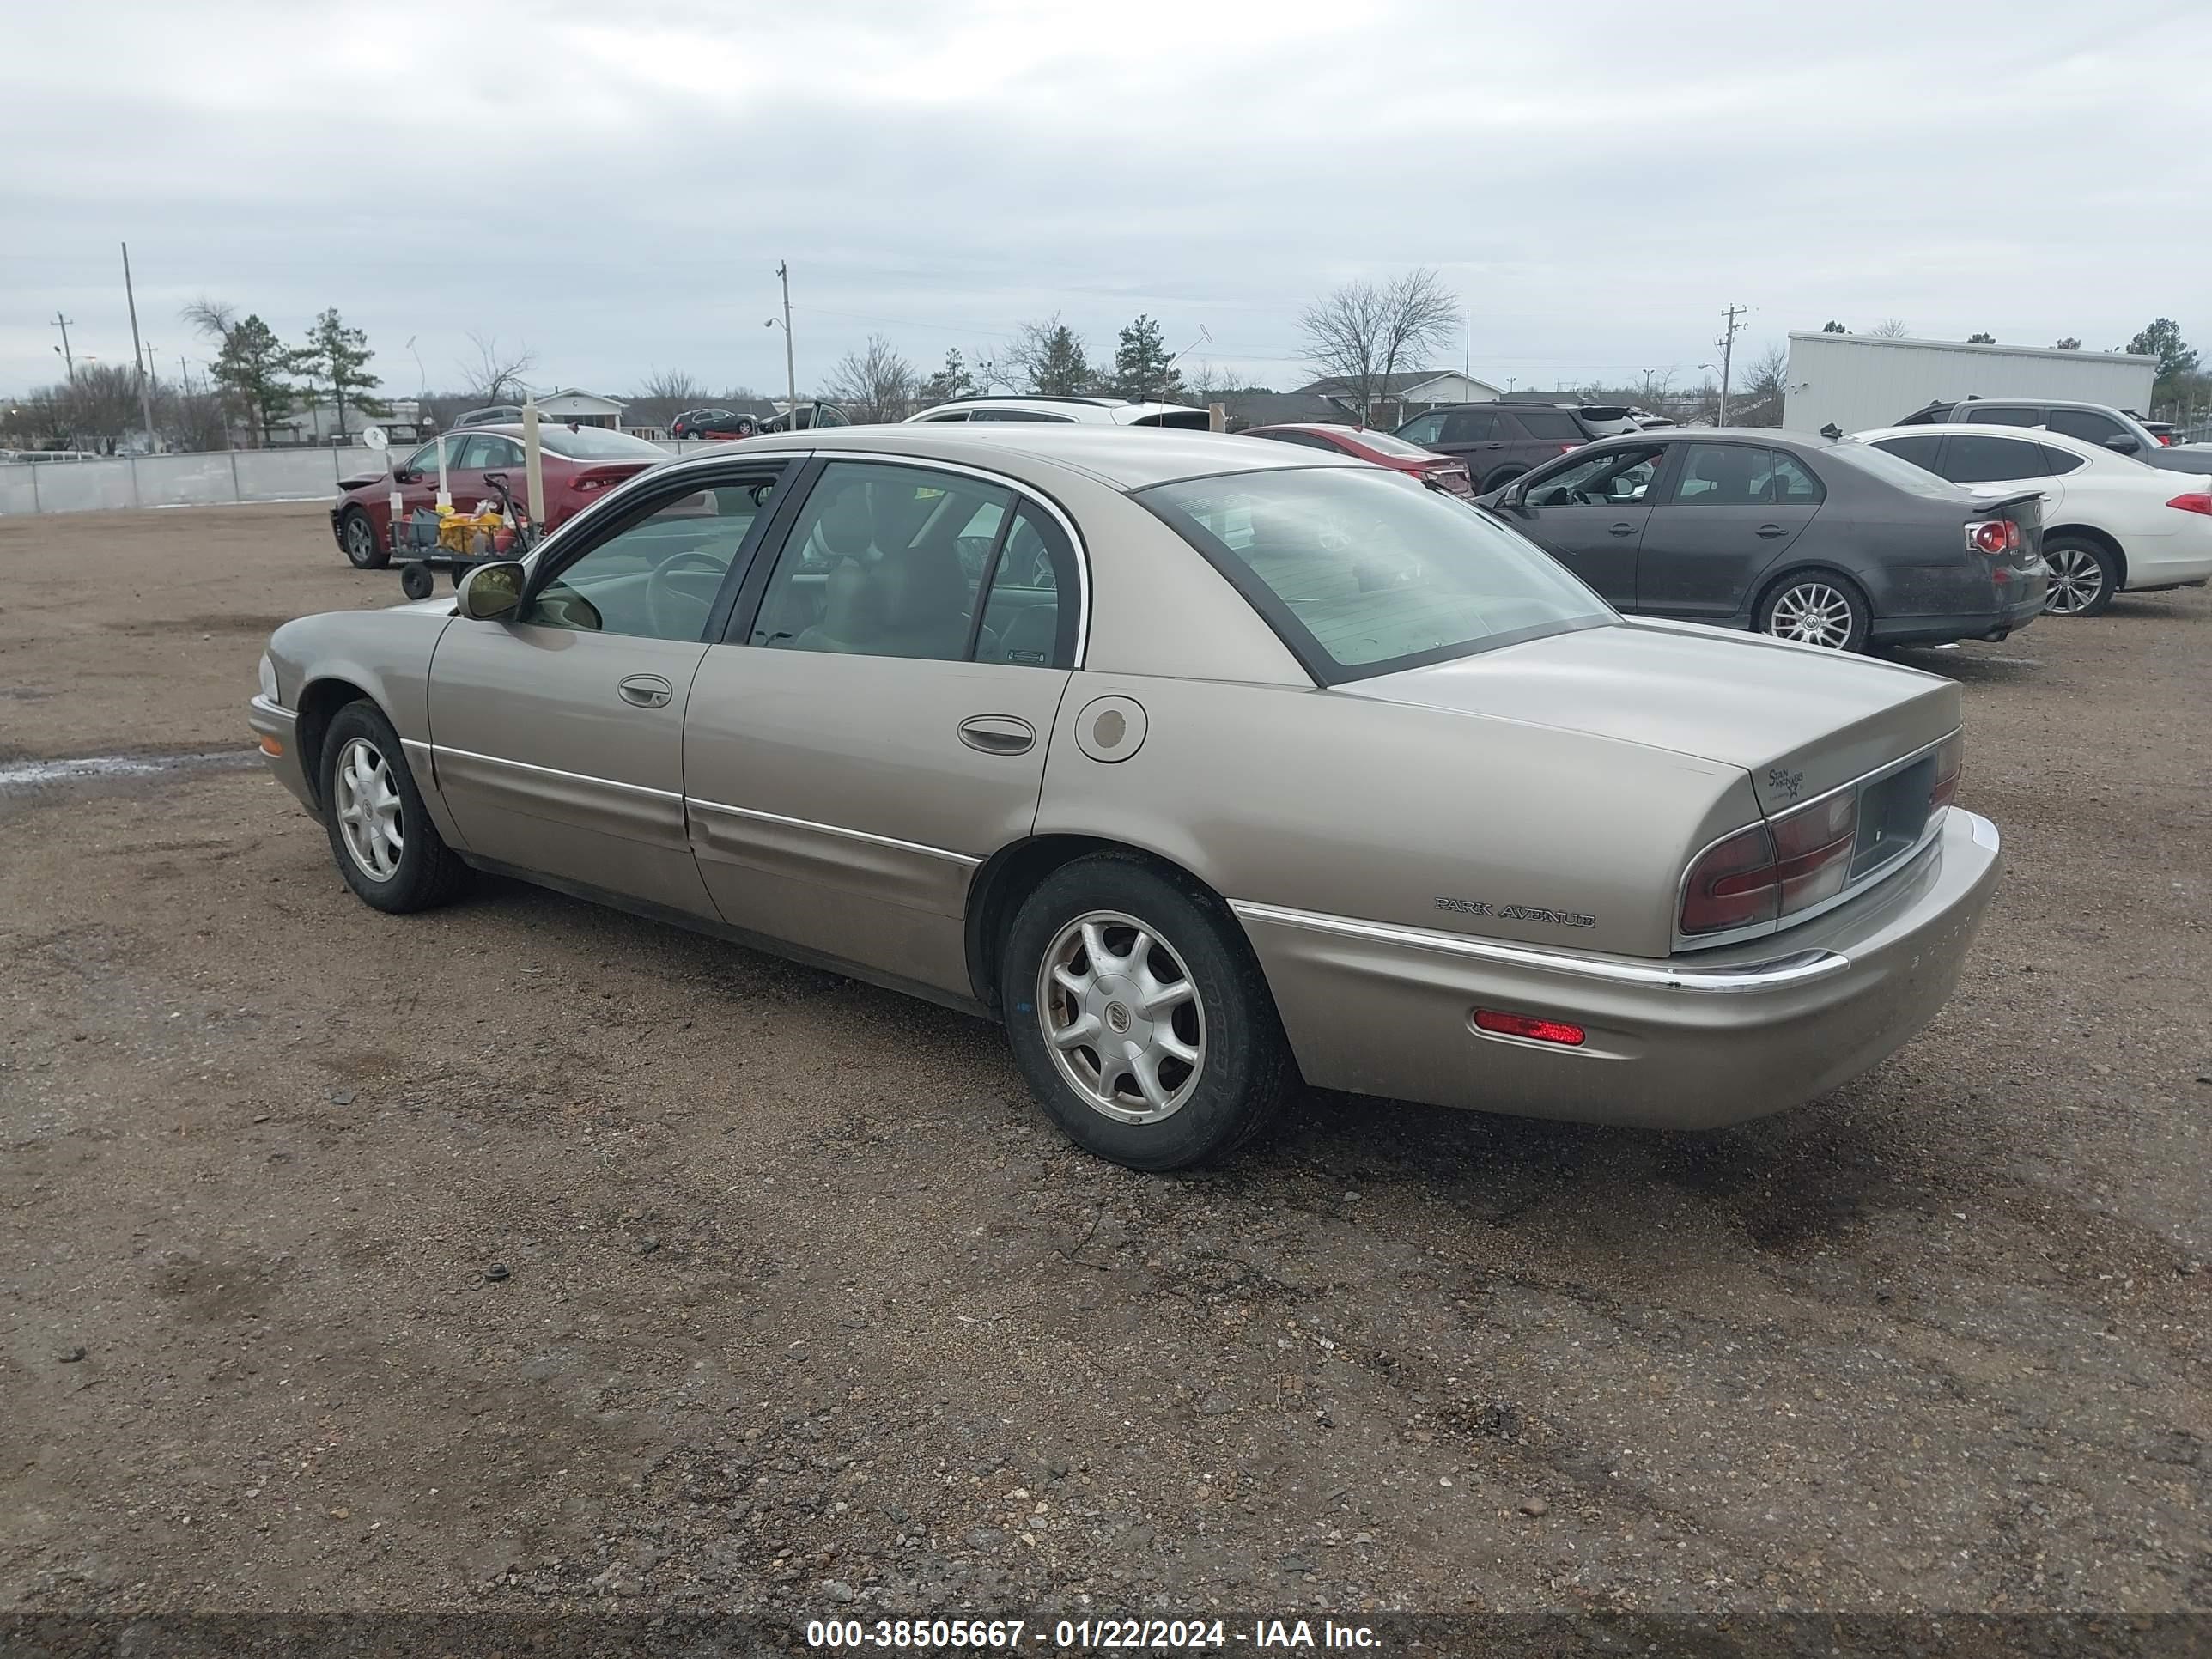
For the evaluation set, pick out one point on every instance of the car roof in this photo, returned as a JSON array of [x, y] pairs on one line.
[[1126, 457]]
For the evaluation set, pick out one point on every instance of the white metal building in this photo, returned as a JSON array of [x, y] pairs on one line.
[[1859, 381]]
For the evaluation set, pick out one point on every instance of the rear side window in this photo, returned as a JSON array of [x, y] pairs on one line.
[[2086, 424], [2000, 415], [1790, 483], [2060, 460], [957, 414], [1471, 426], [1188, 420], [1551, 425], [1971, 458], [1016, 415]]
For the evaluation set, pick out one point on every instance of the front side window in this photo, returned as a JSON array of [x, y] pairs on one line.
[[424, 461], [1427, 430], [1615, 477], [1968, 458], [885, 562], [484, 450], [1016, 415], [656, 578], [1360, 575]]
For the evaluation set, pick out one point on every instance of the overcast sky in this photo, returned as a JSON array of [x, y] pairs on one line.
[[614, 183]]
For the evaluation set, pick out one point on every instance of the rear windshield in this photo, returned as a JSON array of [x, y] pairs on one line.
[[1192, 420], [1361, 575], [1385, 443], [1890, 470], [1549, 423], [596, 443]]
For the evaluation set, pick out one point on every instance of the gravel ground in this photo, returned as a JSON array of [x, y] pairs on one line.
[[528, 1256]]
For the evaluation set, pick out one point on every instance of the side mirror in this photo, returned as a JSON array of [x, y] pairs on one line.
[[1516, 498], [2124, 443], [491, 592]]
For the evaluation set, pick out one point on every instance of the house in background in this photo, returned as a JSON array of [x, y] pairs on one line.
[[1398, 397], [570, 406]]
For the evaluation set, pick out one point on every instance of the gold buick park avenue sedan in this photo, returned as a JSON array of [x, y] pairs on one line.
[[1204, 764]]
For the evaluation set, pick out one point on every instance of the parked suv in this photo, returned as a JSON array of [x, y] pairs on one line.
[[2096, 424], [1499, 441], [1102, 411]]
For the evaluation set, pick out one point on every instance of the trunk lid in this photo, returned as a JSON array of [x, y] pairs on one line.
[[1799, 719]]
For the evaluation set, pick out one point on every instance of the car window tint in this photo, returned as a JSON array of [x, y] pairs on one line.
[[476, 452], [1921, 451], [2087, 424], [656, 578], [1723, 474], [1613, 476], [2060, 460], [1969, 458], [873, 565], [1791, 483], [1016, 415], [1029, 619], [425, 459], [1471, 426], [957, 414], [2000, 415], [1303, 440], [1360, 574], [1551, 425], [1427, 430]]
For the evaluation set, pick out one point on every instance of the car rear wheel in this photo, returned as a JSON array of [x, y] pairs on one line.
[[2083, 578], [1138, 1016], [357, 536], [387, 849], [1816, 607]]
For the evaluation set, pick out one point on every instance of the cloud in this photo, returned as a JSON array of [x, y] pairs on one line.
[[615, 185]]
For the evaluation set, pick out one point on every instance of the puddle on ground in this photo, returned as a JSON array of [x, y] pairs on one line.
[[19, 777]]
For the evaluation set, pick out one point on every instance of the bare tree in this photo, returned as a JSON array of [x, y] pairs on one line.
[[496, 377], [1051, 358], [1766, 383], [672, 385], [874, 383], [213, 318], [1364, 332], [1891, 328]]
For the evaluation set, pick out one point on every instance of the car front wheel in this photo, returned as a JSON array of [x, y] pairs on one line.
[[387, 849], [1138, 1016], [1816, 607], [357, 536], [2083, 578]]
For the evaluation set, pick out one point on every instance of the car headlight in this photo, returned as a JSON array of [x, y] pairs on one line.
[[269, 679]]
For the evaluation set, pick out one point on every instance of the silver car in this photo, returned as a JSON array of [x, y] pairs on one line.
[[1205, 765]]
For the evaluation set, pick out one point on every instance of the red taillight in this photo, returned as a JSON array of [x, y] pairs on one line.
[[1528, 1025], [1766, 873], [1950, 761], [2163, 438], [2194, 502], [1993, 536]]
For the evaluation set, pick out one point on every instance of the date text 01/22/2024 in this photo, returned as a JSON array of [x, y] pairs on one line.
[[1101, 1635]]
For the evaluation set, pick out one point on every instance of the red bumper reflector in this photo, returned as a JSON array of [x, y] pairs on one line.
[[1527, 1025]]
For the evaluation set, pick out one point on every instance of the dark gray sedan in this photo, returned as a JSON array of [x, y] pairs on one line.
[[1797, 536]]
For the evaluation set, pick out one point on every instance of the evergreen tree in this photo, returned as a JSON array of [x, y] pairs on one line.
[[1981, 339], [2163, 340], [252, 370], [337, 357], [2069, 344], [953, 380], [1059, 369], [1834, 327], [1142, 369]]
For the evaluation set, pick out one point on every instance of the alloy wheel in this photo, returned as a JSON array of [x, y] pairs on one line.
[[1812, 613], [366, 798], [1121, 1017], [359, 538], [2077, 579]]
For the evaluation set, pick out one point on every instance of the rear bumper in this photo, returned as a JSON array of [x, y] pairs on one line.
[[1686, 1043], [274, 724]]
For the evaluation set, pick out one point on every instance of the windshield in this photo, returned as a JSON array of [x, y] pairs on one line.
[[1361, 575], [596, 443], [1893, 469]]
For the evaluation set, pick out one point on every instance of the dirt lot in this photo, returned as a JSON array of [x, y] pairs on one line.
[[525, 1254]]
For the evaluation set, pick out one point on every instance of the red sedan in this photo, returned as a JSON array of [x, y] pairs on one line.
[[580, 465], [1437, 471]]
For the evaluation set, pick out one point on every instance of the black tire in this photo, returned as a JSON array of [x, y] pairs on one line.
[[1244, 1070], [416, 581], [425, 872], [1804, 595], [357, 537], [2075, 562]]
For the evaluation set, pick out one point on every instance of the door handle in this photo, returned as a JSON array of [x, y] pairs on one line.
[[1623, 530], [646, 691], [998, 734], [1769, 531]]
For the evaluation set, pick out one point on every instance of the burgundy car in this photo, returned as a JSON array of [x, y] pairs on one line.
[[580, 465], [1437, 471]]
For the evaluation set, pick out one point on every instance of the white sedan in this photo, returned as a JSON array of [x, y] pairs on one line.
[[2110, 524]]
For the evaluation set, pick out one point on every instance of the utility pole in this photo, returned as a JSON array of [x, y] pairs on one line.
[[69, 361], [145, 397], [790, 359], [1728, 353]]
